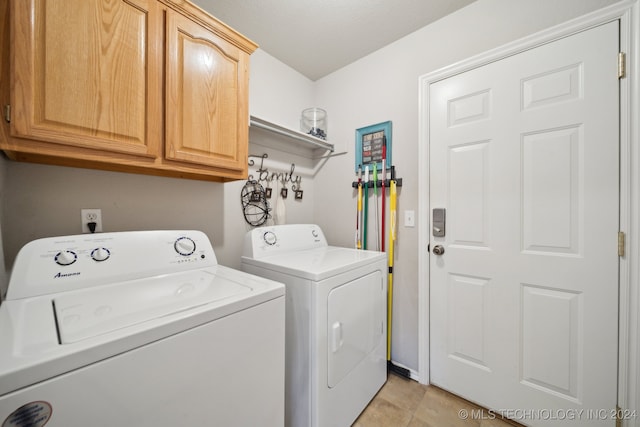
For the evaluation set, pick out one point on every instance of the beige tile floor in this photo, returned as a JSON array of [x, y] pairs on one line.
[[406, 403]]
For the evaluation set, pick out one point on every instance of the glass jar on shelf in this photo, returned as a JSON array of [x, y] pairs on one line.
[[314, 122]]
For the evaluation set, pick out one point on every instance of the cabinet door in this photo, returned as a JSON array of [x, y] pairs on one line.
[[88, 73], [206, 97]]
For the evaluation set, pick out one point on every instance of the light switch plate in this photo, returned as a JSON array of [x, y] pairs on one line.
[[409, 218]]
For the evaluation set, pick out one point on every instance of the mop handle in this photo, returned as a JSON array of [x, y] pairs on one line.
[[393, 195], [366, 205], [358, 241], [375, 191], [384, 177], [392, 238]]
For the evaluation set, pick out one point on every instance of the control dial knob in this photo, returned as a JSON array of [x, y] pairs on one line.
[[270, 238], [66, 257], [185, 246], [100, 254]]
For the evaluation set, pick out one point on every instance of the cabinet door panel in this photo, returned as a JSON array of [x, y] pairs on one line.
[[88, 73], [206, 97]]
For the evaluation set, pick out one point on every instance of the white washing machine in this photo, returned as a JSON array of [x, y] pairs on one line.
[[138, 329], [335, 321]]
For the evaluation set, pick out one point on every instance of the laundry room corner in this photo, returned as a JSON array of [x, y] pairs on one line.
[[218, 173], [271, 80]]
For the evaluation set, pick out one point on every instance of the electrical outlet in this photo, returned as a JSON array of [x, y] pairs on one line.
[[91, 215]]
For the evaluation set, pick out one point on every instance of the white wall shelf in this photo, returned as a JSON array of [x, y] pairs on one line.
[[268, 134]]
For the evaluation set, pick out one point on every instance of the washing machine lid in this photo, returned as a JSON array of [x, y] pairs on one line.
[[317, 264], [88, 313], [49, 335]]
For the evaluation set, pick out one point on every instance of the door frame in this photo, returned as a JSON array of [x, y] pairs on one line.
[[628, 13]]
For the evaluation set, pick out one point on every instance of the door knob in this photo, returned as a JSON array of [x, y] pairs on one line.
[[438, 249]]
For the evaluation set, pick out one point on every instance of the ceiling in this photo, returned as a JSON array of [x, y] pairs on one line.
[[317, 37]]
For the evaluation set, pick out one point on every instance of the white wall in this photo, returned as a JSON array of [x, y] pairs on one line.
[[384, 86], [277, 92]]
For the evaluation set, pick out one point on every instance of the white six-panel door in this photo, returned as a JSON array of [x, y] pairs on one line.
[[524, 157]]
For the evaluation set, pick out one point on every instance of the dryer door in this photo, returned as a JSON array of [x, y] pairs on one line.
[[355, 314]]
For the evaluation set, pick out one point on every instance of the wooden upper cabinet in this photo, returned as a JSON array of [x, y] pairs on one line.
[[206, 89], [87, 73], [144, 86]]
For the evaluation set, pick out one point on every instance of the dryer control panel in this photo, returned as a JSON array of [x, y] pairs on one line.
[[58, 264], [266, 241]]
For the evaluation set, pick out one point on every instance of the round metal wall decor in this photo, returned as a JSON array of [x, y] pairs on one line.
[[255, 207]]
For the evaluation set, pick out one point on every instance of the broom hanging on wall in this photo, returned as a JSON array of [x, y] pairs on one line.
[[393, 214], [392, 238]]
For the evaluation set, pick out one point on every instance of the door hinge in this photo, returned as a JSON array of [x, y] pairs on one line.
[[7, 113], [622, 69], [621, 243]]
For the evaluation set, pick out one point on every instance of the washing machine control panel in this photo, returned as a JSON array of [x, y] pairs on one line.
[[58, 264], [265, 241]]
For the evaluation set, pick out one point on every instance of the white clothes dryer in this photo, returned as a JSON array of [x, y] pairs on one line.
[[138, 329], [335, 321]]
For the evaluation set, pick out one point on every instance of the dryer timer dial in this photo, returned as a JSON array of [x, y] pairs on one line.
[[185, 246], [270, 238]]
